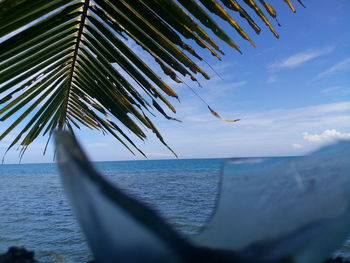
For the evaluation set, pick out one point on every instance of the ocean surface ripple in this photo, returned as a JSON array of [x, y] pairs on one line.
[[34, 211]]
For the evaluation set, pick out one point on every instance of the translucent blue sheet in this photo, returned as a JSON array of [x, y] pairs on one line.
[[269, 210]]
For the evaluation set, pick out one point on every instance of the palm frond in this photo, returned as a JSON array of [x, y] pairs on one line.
[[67, 63]]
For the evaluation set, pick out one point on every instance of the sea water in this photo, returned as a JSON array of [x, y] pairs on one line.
[[34, 211]]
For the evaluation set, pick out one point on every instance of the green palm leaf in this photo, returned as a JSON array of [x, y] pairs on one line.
[[58, 60]]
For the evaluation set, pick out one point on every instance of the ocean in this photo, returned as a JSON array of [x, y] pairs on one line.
[[34, 211]]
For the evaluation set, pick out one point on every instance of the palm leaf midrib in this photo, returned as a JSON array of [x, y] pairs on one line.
[[58, 70], [75, 57]]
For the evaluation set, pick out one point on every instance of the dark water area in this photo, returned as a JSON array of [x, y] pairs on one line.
[[34, 211]]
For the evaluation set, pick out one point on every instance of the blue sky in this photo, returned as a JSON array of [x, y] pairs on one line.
[[292, 95]]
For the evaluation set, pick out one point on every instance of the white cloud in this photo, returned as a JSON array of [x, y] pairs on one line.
[[238, 84], [263, 133], [298, 59], [297, 146], [325, 136], [271, 79], [340, 66], [259, 133], [330, 89], [267, 50], [159, 155], [336, 90]]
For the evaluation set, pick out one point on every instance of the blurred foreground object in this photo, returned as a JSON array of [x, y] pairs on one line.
[[17, 255], [269, 210]]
